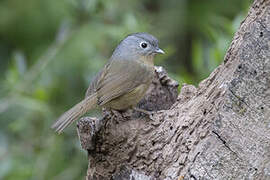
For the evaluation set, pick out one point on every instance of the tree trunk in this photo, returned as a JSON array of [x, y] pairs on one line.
[[220, 130]]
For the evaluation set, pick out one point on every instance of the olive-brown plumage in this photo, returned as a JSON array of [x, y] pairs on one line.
[[123, 81]]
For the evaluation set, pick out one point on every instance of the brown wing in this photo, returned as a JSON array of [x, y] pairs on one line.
[[96, 80], [121, 77]]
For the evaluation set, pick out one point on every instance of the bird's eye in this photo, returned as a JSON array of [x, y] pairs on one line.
[[144, 45]]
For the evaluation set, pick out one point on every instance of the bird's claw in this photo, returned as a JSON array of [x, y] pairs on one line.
[[148, 113]]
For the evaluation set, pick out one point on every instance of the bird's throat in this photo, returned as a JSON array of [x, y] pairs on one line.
[[148, 60]]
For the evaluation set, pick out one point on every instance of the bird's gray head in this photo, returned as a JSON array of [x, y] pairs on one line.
[[138, 44]]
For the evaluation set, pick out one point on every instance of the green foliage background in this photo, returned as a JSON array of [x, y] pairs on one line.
[[50, 50]]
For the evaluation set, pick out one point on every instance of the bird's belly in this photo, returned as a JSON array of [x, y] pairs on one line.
[[128, 100]]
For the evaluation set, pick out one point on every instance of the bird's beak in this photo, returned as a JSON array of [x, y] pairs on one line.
[[159, 51]]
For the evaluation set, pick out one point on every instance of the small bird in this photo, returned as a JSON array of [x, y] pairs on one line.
[[122, 82]]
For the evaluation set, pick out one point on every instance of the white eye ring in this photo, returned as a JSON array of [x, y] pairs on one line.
[[143, 45]]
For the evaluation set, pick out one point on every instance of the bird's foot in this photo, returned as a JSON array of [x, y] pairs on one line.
[[118, 115], [148, 113]]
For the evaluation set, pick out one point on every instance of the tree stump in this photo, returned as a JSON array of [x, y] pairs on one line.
[[220, 130]]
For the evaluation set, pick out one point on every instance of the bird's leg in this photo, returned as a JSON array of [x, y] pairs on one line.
[[148, 113], [118, 114]]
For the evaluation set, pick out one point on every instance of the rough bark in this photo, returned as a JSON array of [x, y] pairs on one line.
[[220, 130]]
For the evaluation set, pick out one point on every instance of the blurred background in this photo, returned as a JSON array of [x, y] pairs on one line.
[[50, 50]]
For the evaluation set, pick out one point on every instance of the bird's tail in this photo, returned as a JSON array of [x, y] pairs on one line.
[[74, 113]]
